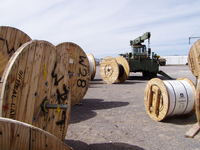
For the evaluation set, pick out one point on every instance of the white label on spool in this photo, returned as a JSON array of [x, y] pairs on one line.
[[71, 61]]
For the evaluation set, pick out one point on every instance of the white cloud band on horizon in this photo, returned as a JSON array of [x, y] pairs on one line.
[[106, 27]]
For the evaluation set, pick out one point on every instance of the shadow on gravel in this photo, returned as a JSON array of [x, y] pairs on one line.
[[146, 78], [128, 82], [137, 78], [92, 83], [97, 81], [79, 145], [85, 111], [182, 120]]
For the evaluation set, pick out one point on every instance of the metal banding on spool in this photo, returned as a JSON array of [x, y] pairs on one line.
[[92, 64], [114, 70], [169, 98]]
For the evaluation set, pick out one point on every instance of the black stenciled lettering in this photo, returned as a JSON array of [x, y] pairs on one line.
[[15, 89], [55, 76], [83, 72], [62, 96], [12, 110], [63, 118], [81, 60], [81, 83], [9, 51], [17, 85]]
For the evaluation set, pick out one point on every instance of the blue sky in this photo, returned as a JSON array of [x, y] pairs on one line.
[[105, 27]]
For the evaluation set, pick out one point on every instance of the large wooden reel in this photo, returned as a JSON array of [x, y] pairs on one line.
[[35, 88], [194, 65], [16, 135], [194, 58], [109, 70], [92, 64], [114, 70], [10, 40], [78, 70]]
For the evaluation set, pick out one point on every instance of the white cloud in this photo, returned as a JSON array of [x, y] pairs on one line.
[[105, 27]]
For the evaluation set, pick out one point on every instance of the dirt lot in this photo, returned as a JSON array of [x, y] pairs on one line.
[[113, 117]]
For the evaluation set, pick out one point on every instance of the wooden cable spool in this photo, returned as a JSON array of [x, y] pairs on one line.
[[194, 65], [35, 88], [10, 40], [78, 71], [193, 59], [170, 97], [16, 135], [92, 64], [114, 70]]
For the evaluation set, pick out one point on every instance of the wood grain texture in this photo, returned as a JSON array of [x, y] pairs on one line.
[[92, 64], [194, 65], [197, 101], [10, 40], [193, 131], [156, 99], [78, 70], [194, 58], [124, 63], [16, 135], [36, 74], [109, 70]]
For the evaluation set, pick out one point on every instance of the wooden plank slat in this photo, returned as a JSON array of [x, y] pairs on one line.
[[193, 131], [149, 101]]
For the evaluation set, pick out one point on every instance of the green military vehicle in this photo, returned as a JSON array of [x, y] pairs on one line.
[[141, 59]]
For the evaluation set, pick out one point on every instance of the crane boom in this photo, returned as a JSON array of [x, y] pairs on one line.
[[141, 39]]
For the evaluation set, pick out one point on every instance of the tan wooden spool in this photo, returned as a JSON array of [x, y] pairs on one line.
[[109, 70], [78, 71], [92, 64], [122, 61], [36, 76], [160, 103], [114, 70], [194, 58], [194, 65], [197, 101], [16, 135], [10, 40]]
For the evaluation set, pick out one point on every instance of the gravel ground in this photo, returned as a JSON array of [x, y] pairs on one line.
[[113, 117]]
